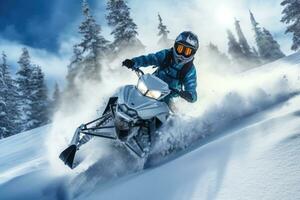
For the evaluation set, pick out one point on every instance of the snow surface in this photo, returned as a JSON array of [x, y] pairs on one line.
[[244, 145]]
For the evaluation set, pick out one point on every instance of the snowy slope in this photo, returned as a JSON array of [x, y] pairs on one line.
[[245, 144], [22, 153], [260, 161]]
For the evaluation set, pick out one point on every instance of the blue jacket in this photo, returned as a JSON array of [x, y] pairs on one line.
[[169, 74]]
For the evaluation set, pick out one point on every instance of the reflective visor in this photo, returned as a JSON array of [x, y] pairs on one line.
[[181, 49]]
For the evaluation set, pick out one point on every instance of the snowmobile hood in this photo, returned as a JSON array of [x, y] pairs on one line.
[[145, 107]]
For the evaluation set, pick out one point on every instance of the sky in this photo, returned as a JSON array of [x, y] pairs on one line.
[[38, 23], [49, 28]]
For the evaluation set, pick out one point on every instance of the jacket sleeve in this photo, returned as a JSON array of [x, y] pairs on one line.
[[190, 83], [150, 59]]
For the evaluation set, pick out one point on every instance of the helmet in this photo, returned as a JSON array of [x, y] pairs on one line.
[[185, 47]]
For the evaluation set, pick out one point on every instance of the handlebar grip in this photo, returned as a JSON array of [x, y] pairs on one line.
[[174, 90]]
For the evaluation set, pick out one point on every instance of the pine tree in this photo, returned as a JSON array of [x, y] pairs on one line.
[[74, 67], [259, 36], [88, 54], [56, 99], [274, 52], [249, 56], [93, 44], [268, 48], [39, 103], [124, 29], [4, 120], [234, 48], [163, 32], [24, 88], [8, 93], [77, 56], [242, 39], [216, 56], [291, 16]]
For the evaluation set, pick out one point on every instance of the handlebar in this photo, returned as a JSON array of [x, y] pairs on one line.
[[138, 72]]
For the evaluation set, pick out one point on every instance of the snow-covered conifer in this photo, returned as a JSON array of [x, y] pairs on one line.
[[242, 39], [124, 29], [56, 98], [88, 54], [216, 55], [234, 48], [8, 95], [163, 32], [268, 48], [24, 87], [274, 52], [291, 16], [4, 120], [39, 103], [92, 45]]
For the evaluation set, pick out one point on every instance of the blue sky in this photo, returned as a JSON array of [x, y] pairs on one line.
[[49, 27], [38, 23]]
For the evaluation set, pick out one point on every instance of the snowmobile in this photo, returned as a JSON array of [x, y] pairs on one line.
[[131, 117]]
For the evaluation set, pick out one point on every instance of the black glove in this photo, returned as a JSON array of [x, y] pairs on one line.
[[186, 95], [128, 63]]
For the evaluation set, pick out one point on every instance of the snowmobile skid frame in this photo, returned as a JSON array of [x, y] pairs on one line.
[[94, 129]]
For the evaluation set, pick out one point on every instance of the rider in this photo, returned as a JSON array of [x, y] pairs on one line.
[[175, 66]]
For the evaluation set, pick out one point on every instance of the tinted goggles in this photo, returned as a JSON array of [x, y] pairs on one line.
[[181, 49]]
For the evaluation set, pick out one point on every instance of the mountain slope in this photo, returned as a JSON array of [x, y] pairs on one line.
[[244, 144]]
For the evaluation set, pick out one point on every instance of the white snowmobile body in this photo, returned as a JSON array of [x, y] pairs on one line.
[[131, 117]]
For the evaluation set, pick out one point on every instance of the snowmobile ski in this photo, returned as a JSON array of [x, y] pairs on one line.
[[67, 156]]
